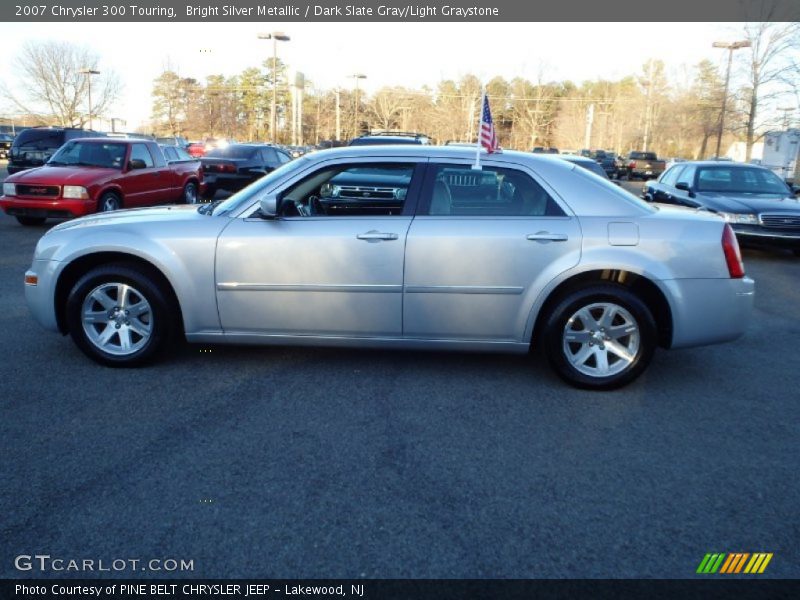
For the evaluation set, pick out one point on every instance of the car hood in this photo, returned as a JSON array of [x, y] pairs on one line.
[[753, 203], [134, 215], [62, 175]]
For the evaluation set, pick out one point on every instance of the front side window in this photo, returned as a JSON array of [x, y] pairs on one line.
[[489, 192], [671, 176], [686, 176], [350, 190], [140, 152]]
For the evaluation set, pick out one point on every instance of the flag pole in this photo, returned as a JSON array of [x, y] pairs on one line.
[[477, 165]]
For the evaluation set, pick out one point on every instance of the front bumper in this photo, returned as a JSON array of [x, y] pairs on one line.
[[20, 206], [757, 235], [709, 311], [41, 297]]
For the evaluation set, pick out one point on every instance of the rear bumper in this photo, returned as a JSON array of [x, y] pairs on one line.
[[39, 207], [231, 183], [709, 311]]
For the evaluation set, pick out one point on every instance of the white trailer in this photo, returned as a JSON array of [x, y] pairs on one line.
[[781, 153]]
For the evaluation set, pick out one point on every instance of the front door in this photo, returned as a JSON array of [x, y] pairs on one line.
[[331, 264]]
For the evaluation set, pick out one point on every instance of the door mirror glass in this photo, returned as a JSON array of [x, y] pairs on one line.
[[136, 163]]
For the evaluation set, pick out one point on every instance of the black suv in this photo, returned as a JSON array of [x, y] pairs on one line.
[[390, 137], [33, 147]]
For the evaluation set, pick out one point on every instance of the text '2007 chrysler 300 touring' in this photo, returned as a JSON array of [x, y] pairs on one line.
[[402, 247]]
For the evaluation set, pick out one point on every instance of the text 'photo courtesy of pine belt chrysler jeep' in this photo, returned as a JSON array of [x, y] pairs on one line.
[[402, 247]]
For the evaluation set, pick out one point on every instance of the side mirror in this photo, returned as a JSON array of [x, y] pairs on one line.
[[136, 163], [683, 186], [269, 206], [796, 190]]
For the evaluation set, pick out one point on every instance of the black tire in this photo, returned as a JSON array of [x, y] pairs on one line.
[[109, 201], [556, 347], [31, 221], [209, 192], [190, 195], [160, 316]]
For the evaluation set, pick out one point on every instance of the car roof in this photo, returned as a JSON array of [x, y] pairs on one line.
[[721, 163]]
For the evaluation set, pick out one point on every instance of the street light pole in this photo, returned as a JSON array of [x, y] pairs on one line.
[[275, 36], [730, 47], [786, 119], [89, 72], [356, 128]]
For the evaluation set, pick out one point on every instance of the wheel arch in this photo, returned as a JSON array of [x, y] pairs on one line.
[[645, 288], [83, 264], [114, 189]]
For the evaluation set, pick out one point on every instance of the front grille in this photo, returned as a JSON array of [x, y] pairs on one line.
[[47, 191], [352, 191], [781, 221]]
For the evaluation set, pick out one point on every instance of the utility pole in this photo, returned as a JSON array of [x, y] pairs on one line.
[[338, 117], [589, 121], [89, 72], [730, 47], [648, 111], [275, 36]]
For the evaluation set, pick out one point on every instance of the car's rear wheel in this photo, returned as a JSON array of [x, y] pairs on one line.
[[108, 202], [118, 315], [31, 221], [190, 193], [600, 337]]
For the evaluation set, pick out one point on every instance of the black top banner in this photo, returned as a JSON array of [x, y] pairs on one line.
[[399, 11]]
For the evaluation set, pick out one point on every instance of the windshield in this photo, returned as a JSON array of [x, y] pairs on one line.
[[738, 180], [90, 154], [249, 194]]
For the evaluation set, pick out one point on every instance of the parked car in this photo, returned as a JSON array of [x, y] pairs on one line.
[[641, 165], [390, 137], [196, 149], [527, 251], [758, 204], [176, 141], [587, 163], [34, 146], [607, 161], [99, 174], [176, 154], [237, 165], [5, 144], [544, 150]]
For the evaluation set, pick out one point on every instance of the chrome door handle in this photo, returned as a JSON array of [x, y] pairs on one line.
[[375, 236], [545, 236]]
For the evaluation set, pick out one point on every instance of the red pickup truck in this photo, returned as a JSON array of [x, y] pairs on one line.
[[99, 174]]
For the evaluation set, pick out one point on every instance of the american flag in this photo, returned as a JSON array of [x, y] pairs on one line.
[[488, 136]]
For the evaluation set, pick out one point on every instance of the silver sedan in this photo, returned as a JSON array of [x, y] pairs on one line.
[[402, 247]]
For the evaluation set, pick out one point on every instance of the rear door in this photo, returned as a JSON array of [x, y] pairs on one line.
[[475, 248]]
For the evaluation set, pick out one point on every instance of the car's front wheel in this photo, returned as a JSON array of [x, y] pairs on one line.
[[601, 337], [118, 315], [108, 202]]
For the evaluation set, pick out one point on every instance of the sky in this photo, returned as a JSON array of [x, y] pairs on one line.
[[406, 54]]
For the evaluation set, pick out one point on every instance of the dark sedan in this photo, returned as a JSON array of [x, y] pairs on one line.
[[758, 204], [238, 165]]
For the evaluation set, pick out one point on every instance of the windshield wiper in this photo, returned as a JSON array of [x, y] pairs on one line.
[[208, 209]]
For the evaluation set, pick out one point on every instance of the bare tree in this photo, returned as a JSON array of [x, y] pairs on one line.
[[770, 67], [51, 74]]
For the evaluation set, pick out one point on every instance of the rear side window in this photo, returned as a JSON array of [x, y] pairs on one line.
[[40, 139], [490, 192]]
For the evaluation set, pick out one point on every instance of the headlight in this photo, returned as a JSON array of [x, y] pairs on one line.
[[9, 189], [76, 192], [741, 218]]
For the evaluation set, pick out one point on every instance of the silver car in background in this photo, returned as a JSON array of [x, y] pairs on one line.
[[402, 247]]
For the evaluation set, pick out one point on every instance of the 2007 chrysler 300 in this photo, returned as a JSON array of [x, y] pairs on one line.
[[402, 247]]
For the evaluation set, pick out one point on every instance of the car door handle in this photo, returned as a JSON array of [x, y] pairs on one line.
[[376, 236], [545, 236]]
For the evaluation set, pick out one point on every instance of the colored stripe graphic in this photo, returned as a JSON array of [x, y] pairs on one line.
[[734, 562]]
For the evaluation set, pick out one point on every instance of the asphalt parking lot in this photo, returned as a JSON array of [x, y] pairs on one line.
[[297, 463]]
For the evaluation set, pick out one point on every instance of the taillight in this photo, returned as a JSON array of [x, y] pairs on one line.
[[230, 168], [732, 254]]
